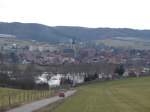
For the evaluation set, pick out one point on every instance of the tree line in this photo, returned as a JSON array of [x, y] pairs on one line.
[[23, 76]]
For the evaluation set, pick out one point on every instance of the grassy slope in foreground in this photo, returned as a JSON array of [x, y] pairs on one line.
[[13, 97], [131, 95]]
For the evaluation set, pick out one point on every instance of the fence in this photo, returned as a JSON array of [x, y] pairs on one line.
[[15, 98]]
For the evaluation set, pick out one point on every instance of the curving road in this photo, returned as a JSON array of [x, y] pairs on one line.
[[40, 104]]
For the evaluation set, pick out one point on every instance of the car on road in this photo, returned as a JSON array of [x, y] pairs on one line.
[[61, 93]]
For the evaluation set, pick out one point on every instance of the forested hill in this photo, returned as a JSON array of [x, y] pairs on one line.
[[41, 32]]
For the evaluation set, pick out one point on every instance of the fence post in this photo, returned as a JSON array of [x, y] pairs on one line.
[[20, 101], [28, 98], [1, 104], [24, 96], [9, 100], [43, 93], [38, 92]]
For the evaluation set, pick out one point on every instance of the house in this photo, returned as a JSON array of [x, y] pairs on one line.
[[68, 52], [55, 80], [42, 79]]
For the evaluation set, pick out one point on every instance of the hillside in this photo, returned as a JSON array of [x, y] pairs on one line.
[[13, 97], [41, 32], [130, 95]]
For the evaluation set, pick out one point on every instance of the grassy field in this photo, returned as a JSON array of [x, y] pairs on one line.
[[129, 95], [13, 97]]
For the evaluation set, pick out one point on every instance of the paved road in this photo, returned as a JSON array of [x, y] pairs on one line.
[[40, 104]]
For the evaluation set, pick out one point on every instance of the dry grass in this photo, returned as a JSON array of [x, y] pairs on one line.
[[13, 97]]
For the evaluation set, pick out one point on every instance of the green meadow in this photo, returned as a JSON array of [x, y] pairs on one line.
[[126, 95]]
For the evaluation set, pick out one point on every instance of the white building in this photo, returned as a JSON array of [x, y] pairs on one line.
[[55, 80], [42, 79]]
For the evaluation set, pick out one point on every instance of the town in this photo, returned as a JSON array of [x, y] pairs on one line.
[[73, 59]]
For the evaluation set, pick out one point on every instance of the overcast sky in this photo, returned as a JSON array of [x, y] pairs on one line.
[[87, 13]]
